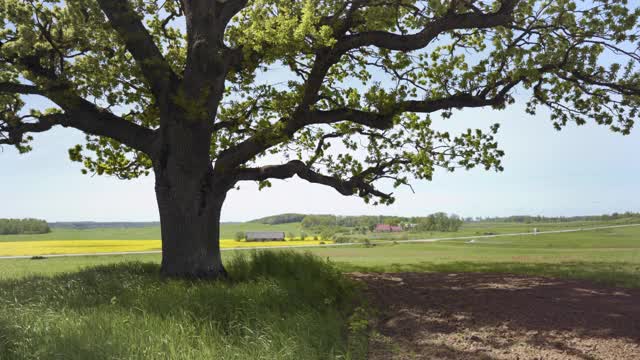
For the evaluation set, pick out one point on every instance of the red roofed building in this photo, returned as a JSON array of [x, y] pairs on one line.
[[387, 228]]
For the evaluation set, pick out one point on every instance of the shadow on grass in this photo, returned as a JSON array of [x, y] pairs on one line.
[[282, 305], [608, 273]]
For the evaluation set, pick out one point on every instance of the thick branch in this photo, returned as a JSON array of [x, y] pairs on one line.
[[80, 113], [419, 40], [296, 167], [15, 134], [16, 88], [88, 118], [369, 119], [230, 9], [383, 121], [251, 147], [208, 59], [140, 44]]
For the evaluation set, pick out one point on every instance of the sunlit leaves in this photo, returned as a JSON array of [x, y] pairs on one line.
[[577, 58]]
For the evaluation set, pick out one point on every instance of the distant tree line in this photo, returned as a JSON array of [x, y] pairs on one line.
[[23, 226], [85, 225], [435, 222], [537, 219], [438, 222], [367, 222], [280, 219]]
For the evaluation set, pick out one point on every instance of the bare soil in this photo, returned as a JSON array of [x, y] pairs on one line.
[[498, 316]]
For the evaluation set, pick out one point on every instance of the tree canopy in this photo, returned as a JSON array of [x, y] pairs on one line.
[[367, 74]]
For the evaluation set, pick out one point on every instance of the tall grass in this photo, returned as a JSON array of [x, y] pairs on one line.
[[277, 305]]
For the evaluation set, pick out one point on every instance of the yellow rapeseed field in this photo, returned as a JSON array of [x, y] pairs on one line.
[[52, 247]]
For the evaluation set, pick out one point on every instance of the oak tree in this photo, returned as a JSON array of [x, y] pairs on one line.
[[201, 92]]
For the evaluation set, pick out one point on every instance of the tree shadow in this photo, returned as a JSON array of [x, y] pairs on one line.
[[280, 294], [270, 280]]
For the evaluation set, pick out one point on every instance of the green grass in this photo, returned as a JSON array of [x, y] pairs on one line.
[[613, 251], [279, 305], [282, 304], [610, 256], [227, 231]]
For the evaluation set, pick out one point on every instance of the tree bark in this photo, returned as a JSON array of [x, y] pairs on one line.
[[189, 202]]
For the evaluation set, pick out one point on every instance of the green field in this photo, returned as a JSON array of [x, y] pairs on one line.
[[480, 228], [617, 248], [227, 231], [280, 306]]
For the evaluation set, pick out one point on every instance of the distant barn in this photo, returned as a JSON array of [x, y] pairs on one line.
[[387, 228], [264, 236]]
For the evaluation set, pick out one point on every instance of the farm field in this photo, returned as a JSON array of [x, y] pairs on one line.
[[53, 247], [481, 228], [609, 255], [290, 304], [227, 231], [131, 239]]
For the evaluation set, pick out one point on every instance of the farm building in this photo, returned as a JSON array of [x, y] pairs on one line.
[[387, 228], [264, 236]]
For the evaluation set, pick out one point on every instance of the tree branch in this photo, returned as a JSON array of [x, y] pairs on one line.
[[251, 147], [86, 117], [451, 21], [79, 112], [230, 9], [140, 44], [355, 185], [16, 88], [326, 58], [15, 133]]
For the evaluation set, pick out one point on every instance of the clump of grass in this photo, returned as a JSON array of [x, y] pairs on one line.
[[277, 305]]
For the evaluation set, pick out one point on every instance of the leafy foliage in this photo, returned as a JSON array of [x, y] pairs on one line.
[[345, 90]]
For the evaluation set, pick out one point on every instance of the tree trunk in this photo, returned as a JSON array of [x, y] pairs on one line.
[[189, 203]]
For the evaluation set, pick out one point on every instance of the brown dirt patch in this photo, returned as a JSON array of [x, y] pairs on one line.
[[490, 316]]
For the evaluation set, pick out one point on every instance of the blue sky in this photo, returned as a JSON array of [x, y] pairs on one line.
[[579, 170]]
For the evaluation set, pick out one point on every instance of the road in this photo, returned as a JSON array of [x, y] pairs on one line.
[[335, 245]]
